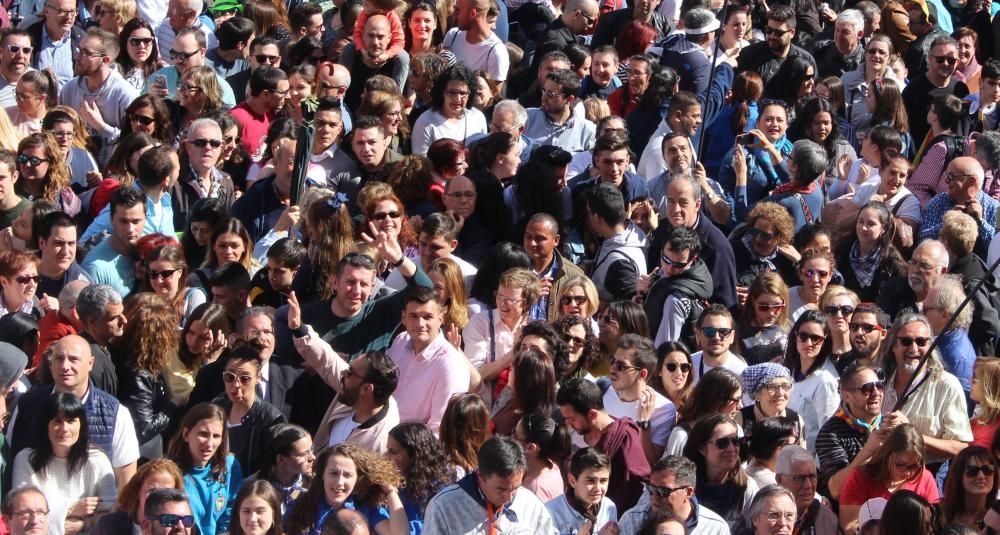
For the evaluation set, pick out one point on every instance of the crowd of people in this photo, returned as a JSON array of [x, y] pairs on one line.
[[564, 267]]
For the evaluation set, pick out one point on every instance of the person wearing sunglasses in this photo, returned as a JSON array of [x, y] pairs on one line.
[[815, 270], [714, 333], [838, 303], [671, 485], [899, 464], [138, 56], [766, 57], [15, 60], [763, 322], [937, 407], [168, 272], [938, 80], [965, 177], [764, 244], [188, 51], [167, 512], [769, 385], [19, 280], [867, 328], [43, 173], [674, 302], [674, 379], [929, 261], [201, 178], [810, 361], [969, 488], [952, 330], [714, 445]]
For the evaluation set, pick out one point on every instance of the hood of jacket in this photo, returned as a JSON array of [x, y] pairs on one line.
[[695, 283], [632, 238], [679, 43]]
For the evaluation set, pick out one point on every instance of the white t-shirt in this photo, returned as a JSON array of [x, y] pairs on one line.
[[489, 56], [661, 423], [909, 209], [733, 363], [341, 430]]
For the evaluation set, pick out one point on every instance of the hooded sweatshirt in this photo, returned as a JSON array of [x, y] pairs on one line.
[[671, 301], [618, 264], [629, 468]]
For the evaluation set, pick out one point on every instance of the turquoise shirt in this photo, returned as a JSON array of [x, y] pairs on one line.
[[212, 499], [106, 266]]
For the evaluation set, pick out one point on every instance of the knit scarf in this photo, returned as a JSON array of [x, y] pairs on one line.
[[857, 424], [865, 266]]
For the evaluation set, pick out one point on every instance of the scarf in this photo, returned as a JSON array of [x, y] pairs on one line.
[[747, 240], [865, 266], [588, 512], [794, 187], [855, 423]]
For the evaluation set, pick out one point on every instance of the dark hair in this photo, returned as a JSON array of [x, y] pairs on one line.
[[606, 202], [662, 81], [501, 456], [948, 109], [630, 316], [258, 488], [455, 73], [464, 428], [180, 452], [954, 498], [577, 55], [888, 140], [420, 295], [581, 395], [382, 374], [587, 459], [128, 145], [69, 407], [485, 152], [123, 59], [748, 87], [710, 395], [439, 225], [159, 497], [299, 16], [287, 252], [127, 197], [698, 438], [792, 360], [808, 233], [208, 210], [444, 153], [568, 81], [281, 438], [301, 55], [881, 317], [782, 13], [265, 78], [538, 190], [680, 238], [535, 388], [50, 221], [802, 126], [788, 79], [18, 328], [232, 276], [645, 353], [228, 225], [769, 435], [502, 257], [551, 436], [155, 165], [429, 468], [591, 346], [906, 513], [991, 69], [234, 31]]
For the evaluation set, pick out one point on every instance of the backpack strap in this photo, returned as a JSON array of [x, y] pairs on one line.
[[899, 205], [493, 346], [805, 208]]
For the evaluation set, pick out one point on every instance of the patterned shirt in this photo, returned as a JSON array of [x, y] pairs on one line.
[[540, 310], [942, 202]]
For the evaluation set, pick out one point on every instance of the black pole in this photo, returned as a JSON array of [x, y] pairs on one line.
[[711, 76], [303, 149], [930, 349]]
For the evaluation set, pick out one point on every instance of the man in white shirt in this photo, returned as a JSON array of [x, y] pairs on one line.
[[714, 332], [630, 395], [182, 14], [438, 239], [15, 60], [474, 43]]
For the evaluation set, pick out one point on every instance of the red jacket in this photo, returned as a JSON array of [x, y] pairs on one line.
[[51, 328]]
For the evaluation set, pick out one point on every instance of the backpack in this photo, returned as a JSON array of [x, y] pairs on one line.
[[954, 146]]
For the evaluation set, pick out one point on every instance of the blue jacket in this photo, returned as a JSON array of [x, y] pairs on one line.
[[102, 413], [690, 62], [212, 498], [720, 137], [762, 177]]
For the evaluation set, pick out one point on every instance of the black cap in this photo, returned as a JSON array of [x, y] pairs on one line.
[[551, 155]]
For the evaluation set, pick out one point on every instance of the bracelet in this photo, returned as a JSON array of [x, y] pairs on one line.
[[400, 262]]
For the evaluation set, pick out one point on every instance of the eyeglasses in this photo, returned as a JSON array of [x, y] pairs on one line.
[[177, 55], [922, 266], [870, 388], [775, 516], [621, 366], [509, 301], [768, 307], [574, 340], [161, 275], [949, 176], [168, 520], [91, 53], [462, 195], [202, 143], [672, 367], [866, 328], [38, 513], [189, 88], [33, 161], [764, 235], [282, 93], [679, 265], [903, 467], [725, 442], [973, 471], [63, 12], [231, 139], [63, 134], [843, 310], [636, 72], [774, 388], [14, 49], [950, 60], [572, 300], [662, 492], [814, 273], [712, 332], [811, 338], [140, 41], [551, 94], [142, 119], [25, 279], [230, 378], [379, 216], [456, 93], [267, 59], [802, 478], [775, 31], [907, 341]]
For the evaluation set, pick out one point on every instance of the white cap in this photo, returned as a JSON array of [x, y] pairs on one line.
[[871, 510]]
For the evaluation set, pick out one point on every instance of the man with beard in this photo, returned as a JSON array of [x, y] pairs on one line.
[[364, 410], [766, 57], [476, 46], [555, 123], [796, 471], [633, 367], [268, 93], [372, 151], [714, 333], [868, 328], [678, 156], [99, 92], [15, 56], [937, 81], [375, 38], [684, 118], [935, 403], [111, 262], [906, 294], [856, 431]]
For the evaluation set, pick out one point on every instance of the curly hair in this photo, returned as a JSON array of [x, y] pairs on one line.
[[374, 473], [407, 236], [455, 73], [163, 131], [151, 337], [464, 429], [591, 346], [430, 468], [129, 497], [57, 177], [328, 236], [411, 180], [784, 226], [456, 309]]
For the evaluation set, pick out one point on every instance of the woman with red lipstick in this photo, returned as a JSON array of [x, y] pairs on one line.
[[212, 476]]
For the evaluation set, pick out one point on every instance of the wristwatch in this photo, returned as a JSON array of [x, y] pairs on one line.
[[643, 424], [400, 262], [711, 195]]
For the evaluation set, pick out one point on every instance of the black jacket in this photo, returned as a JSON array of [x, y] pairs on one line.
[[281, 379], [694, 284], [748, 266], [76, 34], [610, 26], [890, 266], [896, 297], [104, 375], [248, 441], [183, 195], [145, 395], [985, 329], [715, 251], [759, 59]]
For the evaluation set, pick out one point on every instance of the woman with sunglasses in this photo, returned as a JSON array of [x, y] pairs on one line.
[[168, 273], [138, 57], [815, 396], [618, 319], [769, 385], [764, 244], [43, 173], [718, 391], [577, 297], [149, 115], [19, 280], [675, 381], [583, 348], [763, 322], [723, 486], [898, 464], [793, 84], [35, 93], [149, 343], [869, 258], [198, 94], [838, 303], [384, 212], [815, 270], [969, 488]]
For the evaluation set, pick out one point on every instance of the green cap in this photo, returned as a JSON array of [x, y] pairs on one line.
[[226, 5]]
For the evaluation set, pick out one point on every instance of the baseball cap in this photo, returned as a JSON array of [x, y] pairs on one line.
[[871, 510], [551, 155]]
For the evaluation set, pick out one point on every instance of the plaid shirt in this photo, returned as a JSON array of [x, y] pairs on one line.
[[941, 203], [865, 266]]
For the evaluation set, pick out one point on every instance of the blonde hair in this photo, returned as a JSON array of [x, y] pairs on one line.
[[205, 79], [378, 103], [123, 8], [10, 136], [456, 313], [525, 280], [833, 291], [596, 109], [958, 233], [589, 290], [986, 372]]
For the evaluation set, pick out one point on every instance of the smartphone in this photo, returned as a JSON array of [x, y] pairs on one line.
[[746, 139], [158, 80]]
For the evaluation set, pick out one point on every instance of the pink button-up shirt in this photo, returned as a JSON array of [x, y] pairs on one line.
[[427, 380]]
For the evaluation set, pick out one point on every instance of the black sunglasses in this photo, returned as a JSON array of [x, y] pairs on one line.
[[844, 310], [673, 366], [907, 341], [870, 387], [725, 442], [168, 520], [202, 143], [142, 119]]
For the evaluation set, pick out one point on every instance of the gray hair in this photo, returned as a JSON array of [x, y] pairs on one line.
[[770, 491], [988, 148], [501, 456], [940, 252], [515, 108], [811, 160], [94, 300], [684, 470], [253, 312], [194, 5], [698, 17], [887, 359], [12, 496], [159, 497], [852, 17], [201, 122], [949, 295], [70, 293], [789, 456], [695, 187]]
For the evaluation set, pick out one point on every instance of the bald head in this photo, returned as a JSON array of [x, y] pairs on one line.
[[376, 35], [580, 15], [345, 522], [70, 361], [341, 75]]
